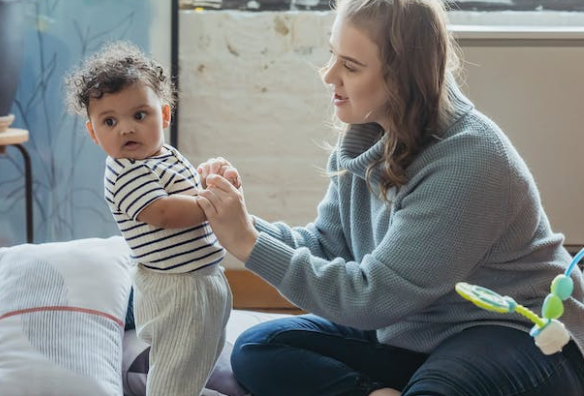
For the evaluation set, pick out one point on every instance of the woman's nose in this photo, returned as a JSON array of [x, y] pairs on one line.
[[329, 75]]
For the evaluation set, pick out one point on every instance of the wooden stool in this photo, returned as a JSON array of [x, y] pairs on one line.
[[15, 137]]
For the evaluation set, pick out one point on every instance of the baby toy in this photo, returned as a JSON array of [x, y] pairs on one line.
[[549, 333]]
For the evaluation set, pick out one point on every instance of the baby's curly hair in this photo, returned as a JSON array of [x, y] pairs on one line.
[[116, 66]]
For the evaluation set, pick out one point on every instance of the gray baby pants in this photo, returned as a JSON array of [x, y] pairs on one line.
[[183, 318]]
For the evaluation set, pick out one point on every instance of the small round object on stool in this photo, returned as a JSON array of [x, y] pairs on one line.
[[5, 122]]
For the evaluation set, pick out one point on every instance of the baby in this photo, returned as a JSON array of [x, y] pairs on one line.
[[182, 299]]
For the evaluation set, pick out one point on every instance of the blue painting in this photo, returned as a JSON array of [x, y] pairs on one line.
[[67, 166]]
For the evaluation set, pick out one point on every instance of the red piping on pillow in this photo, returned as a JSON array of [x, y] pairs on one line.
[[58, 308]]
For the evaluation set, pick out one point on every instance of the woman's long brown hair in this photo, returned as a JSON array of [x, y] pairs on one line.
[[416, 51]]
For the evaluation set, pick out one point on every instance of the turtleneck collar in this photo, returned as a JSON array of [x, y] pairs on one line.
[[362, 144]]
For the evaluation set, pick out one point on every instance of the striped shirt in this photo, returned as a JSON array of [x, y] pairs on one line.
[[132, 185]]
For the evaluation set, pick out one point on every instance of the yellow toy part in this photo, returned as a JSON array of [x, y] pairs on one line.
[[486, 298]]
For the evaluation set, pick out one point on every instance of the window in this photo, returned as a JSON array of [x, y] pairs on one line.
[[516, 5], [461, 5]]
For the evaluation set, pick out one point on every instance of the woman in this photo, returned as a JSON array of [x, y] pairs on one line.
[[425, 192]]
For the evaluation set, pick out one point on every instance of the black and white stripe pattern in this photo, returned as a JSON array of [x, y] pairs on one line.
[[131, 185]]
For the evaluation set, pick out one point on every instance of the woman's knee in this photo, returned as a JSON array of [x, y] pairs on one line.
[[259, 340], [255, 353], [263, 333], [267, 332]]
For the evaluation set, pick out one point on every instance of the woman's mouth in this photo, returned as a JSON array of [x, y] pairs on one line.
[[339, 100]]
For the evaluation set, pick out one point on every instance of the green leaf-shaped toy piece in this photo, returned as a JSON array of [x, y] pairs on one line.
[[553, 307]]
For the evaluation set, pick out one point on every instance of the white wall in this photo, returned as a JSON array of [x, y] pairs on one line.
[[251, 93], [535, 94]]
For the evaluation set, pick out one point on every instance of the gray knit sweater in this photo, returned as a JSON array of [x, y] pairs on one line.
[[470, 212]]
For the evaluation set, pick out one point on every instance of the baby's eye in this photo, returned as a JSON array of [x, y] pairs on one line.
[[110, 122], [140, 115]]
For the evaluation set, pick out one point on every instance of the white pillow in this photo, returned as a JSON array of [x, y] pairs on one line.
[[62, 311]]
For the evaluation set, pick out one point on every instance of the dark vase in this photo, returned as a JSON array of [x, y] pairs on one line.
[[12, 13]]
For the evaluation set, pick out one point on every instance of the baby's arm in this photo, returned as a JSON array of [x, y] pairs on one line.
[[173, 211], [180, 211]]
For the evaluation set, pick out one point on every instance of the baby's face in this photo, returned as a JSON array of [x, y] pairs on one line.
[[129, 123]]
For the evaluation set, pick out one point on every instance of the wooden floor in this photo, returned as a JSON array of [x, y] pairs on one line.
[[250, 292]]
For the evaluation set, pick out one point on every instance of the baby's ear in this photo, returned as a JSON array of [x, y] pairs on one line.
[[166, 115], [90, 131]]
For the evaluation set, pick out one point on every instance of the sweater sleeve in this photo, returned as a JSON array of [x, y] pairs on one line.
[[324, 237], [443, 224]]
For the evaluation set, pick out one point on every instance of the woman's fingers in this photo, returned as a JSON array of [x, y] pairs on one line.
[[225, 209], [208, 203], [222, 195], [220, 183]]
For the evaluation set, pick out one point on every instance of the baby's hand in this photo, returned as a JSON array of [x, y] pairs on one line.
[[232, 175], [219, 166]]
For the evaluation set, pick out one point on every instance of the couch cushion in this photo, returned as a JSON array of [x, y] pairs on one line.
[[62, 311]]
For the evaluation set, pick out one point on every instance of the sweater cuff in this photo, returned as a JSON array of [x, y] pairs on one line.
[[267, 227], [270, 258]]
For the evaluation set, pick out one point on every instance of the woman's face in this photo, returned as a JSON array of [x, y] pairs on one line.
[[355, 73]]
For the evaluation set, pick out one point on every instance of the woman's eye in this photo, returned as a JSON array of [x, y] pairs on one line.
[[110, 122], [349, 66], [140, 115]]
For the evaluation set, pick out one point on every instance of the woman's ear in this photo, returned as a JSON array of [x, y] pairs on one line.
[[166, 116], [90, 131]]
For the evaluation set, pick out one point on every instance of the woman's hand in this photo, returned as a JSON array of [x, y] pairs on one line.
[[225, 209], [219, 166]]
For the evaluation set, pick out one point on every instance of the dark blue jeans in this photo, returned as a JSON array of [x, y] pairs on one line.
[[310, 356]]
